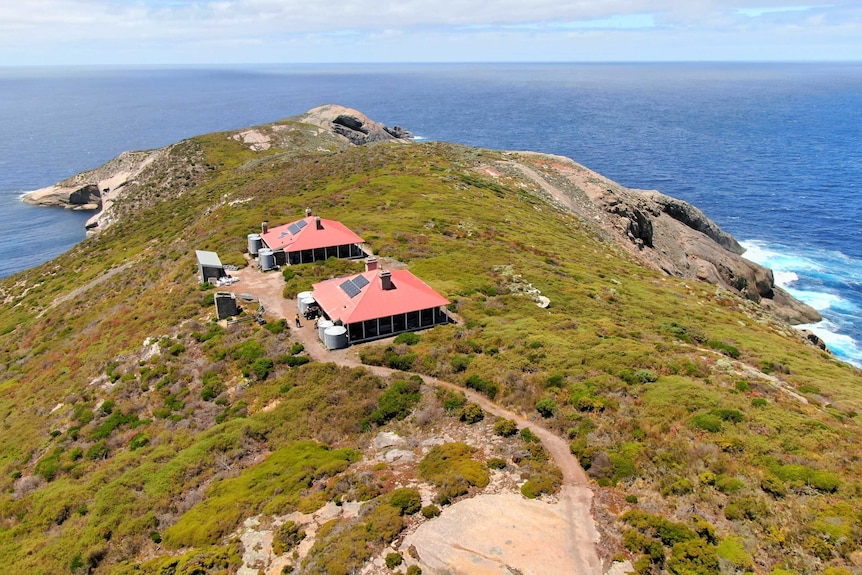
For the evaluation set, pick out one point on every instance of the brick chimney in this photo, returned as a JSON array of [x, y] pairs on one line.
[[371, 264], [386, 280], [317, 223]]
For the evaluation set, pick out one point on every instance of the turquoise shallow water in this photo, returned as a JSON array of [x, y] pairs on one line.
[[770, 151]]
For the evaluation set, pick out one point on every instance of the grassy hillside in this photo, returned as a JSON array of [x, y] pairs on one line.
[[137, 434]]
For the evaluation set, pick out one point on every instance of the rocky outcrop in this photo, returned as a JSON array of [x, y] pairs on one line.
[[94, 189], [352, 125], [663, 232]]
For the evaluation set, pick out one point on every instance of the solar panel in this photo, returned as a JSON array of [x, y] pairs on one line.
[[349, 288], [282, 234], [301, 224], [360, 281], [293, 229]]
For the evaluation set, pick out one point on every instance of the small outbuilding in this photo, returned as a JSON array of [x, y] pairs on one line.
[[379, 303], [210, 268], [312, 239]]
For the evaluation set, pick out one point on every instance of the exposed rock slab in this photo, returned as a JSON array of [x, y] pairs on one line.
[[504, 534]]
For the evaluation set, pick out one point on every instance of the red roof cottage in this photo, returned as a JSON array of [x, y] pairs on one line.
[[313, 238], [378, 303]]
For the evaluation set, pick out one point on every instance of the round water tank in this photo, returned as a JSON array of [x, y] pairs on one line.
[[301, 296], [304, 303], [266, 259], [335, 337], [322, 326], [254, 244]]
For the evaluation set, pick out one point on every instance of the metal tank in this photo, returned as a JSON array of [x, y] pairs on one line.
[[254, 244], [301, 296], [335, 337], [322, 326], [265, 259]]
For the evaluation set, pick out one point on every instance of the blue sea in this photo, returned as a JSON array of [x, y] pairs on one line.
[[772, 152]]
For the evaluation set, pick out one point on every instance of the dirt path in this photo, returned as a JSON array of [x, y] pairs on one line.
[[575, 497]]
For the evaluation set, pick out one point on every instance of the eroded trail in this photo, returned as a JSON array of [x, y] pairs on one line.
[[574, 547]]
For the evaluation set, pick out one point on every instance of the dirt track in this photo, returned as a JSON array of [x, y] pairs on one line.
[[477, 543]]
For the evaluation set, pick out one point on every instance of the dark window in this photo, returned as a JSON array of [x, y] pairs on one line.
[[370, 328], [307, 256], [354, 331], [399, 323], [319, 254], [385, 325], [427, 317], [294, 258], [413, 320]]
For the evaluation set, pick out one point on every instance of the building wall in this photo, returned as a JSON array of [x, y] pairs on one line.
[[391, 325], [308, 256]]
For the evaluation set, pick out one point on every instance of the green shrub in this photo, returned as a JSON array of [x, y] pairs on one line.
[[451, 468], [471, 413], [138, 441], [743, 386], [397, 401], [296, 348], [261, 368], [724, 348], [460, 362], [681, 486], [430, 511], [393, 560], [633, 499], [385, 523], [773, 485], [496, 463], [287, 537], [505, 427], [547, 407], [731, 415], [694, 557], [486, 387], [732, 550], [538, 485], [452, 400], [98, 450], [707, 422], [413, 570], [555, 380], [759, 402], [728, 484], [528, 436], [408, 338], [408, 501]]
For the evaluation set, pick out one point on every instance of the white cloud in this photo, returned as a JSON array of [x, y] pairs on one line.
[[140, 31]]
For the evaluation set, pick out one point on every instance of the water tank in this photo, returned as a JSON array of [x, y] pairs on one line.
[[301, 296], [322, 326], [265, 259], [305, 302], [254, 243], [335, 337]]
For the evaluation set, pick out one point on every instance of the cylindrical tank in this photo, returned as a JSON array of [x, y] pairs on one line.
[[335, 337], [301, 296], [304, 303], [322, 326], [265, 259], [254, 244]]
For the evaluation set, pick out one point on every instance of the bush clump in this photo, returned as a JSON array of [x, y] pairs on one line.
[[452, 469], [398, 401], [505, 427], [287, 537], [547, 407], [430, 511], [483, 386], [471, 413], [407, 500]]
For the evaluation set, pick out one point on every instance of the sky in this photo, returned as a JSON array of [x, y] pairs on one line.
[[175, 32]]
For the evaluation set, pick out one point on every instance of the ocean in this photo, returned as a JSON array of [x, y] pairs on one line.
[[771, 152]]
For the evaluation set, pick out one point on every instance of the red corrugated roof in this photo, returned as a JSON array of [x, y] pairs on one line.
[[291, 238], [408, 293]]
